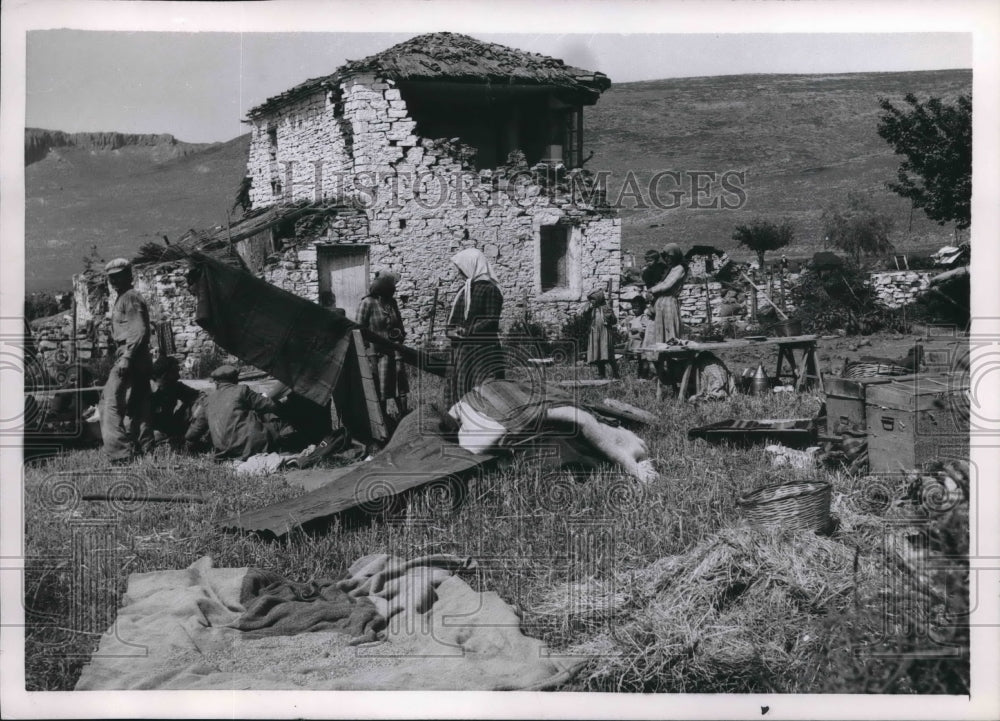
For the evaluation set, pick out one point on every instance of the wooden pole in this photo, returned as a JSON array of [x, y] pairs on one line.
[[376, 421], [73, 340], [781, 290], [167, 498], [434, 305], [770, 302], [753, 303], [708, 305]]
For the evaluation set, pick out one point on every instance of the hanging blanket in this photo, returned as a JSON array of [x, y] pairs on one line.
[[298, 342], [390, 624]]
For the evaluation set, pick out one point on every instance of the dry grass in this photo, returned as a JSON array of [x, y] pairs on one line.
[[657, 576]]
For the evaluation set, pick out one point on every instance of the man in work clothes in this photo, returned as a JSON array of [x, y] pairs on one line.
[[126, 393], [233, 414], [173, 403]]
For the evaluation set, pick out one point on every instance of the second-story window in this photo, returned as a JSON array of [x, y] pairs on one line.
[[272, 142]]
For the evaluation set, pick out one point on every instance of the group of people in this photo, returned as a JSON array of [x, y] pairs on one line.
[[146, 404], [657, 315]]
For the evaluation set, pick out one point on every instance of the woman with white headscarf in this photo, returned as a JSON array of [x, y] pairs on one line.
[[474, 327]]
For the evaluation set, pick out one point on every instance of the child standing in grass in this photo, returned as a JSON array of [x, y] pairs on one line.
[[637, 329], [601, 341]]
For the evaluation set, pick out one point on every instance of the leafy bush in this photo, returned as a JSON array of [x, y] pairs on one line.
[[858, 229], [948, 303], [830, 300], [531, 340], [40, 305], [576, 330]]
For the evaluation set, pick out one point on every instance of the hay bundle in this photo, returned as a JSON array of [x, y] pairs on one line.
[[774, 610], [734, 614]]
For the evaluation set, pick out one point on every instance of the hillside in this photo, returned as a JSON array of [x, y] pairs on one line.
[[804, 141], [117, 192]]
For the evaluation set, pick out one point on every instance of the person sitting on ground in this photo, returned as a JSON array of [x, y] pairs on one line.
[[237, 418], [600, 319], [379, 313], [172, 403]]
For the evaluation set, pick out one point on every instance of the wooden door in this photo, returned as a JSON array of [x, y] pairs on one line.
[[343, 270]]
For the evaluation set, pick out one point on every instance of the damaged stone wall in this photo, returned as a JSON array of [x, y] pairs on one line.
[[297, 268], [424, 202], [302, 152], [901, 287]]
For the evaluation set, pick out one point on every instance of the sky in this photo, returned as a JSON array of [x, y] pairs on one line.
[[199, 85]]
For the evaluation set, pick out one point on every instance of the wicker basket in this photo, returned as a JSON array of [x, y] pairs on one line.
[[865, 369], [802, 505]]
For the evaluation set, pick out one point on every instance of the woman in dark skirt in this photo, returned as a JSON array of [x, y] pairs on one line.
[[600, 319], [379, 313], [474, 327]]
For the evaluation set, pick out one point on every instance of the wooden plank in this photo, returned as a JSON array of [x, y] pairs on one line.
[[800, 341], [376, 421], [625, 411], [587, 383]]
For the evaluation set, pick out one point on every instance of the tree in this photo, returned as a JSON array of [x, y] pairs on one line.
[[761, 236], [40, 305], [859, 230], [93, 262], [935, 140]]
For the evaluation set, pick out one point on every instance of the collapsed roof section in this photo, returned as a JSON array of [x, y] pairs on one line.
[[457, 58], [249, 242]]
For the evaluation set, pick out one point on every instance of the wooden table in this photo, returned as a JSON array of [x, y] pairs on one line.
[[687, 354]]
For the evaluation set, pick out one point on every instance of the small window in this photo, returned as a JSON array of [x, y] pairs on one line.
[[272, 142], [555, 256]]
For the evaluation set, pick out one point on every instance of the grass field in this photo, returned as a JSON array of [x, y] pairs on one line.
[[521, 526]]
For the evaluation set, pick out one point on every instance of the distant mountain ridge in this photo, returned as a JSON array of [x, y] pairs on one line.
[[118, 191], [39, 141]]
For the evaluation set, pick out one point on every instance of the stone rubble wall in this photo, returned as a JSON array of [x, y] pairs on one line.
[[730, 300], [901, 287]]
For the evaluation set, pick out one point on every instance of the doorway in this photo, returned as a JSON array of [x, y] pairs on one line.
[[343, 270]]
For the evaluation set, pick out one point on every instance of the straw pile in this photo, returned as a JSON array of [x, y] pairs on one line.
[[732, 614], [762, 610]]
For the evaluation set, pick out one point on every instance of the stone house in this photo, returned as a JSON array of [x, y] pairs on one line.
[[396, 162], [439, 143]]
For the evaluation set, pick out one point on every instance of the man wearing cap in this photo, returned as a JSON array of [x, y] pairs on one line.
[[233, 415], [127, 392], [173, 403]]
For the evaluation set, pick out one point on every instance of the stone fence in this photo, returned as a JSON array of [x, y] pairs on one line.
[[901, 287], [174, 331]]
